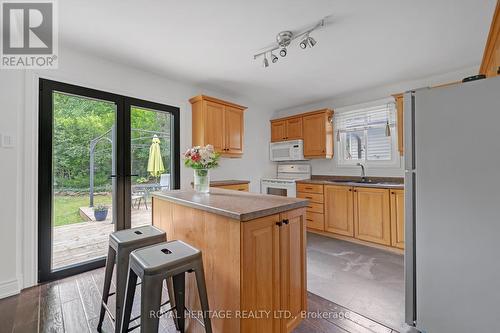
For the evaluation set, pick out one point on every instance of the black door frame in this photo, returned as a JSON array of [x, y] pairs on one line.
[[121, 180]]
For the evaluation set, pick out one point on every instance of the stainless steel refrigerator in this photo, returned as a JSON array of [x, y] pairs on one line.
[[452, 188]]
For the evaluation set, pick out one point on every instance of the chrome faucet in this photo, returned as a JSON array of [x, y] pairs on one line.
[[363, 174]]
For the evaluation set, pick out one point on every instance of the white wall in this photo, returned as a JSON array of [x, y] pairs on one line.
[[11, 111], [330, 167], [19, 116]]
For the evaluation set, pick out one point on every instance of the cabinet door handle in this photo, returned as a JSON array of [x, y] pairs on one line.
[[308, 188], [308, 197], [279, 224], [285, 221], [498, 70], [310, 220]]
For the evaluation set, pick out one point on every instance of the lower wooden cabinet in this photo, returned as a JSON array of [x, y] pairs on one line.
[[372, 217], [273, 276], [398, 218], [339, 210], [293, 268]]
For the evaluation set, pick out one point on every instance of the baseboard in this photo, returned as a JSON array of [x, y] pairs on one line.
[[9, 288]]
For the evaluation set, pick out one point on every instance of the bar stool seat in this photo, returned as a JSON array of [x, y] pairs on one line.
[[121, 244], [153, 264]]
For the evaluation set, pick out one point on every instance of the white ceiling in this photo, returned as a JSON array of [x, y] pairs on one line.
[[211, 43]]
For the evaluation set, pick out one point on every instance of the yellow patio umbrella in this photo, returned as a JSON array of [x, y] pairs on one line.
[[155, 163]]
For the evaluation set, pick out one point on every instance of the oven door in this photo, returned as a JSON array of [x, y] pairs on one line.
[[277, 188]]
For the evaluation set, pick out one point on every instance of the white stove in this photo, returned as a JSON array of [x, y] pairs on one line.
[[284, 184]]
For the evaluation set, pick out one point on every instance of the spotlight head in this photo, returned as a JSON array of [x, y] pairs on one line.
[[283, 52], [265, 63], [274, 58], [311, 41], [303, 43]]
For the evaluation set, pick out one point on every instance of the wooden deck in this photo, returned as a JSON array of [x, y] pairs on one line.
[[79, 242]]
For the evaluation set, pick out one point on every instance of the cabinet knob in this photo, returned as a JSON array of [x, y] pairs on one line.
[[279, 224], [285, 221], [498, 70]]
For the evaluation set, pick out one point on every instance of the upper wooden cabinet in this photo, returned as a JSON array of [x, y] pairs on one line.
[[219, 123], [315, 128], [278, 130], [318, 134], [398, 218], [400, 121], [491, 56], [372, 219], [287, 129]]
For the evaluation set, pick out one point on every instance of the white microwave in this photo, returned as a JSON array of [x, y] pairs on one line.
[[287, 150]]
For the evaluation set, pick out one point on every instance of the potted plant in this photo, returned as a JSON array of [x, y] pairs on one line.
[[100, 212], [201, 160]]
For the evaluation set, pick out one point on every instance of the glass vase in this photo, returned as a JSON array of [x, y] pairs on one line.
[[201, 180]]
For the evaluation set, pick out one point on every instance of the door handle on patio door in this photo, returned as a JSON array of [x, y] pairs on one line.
[[134, 175], [112, 176]]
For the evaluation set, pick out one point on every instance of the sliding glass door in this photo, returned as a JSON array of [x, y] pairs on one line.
[[100, 157]]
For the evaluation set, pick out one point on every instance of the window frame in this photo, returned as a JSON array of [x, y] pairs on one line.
[[395, 161]]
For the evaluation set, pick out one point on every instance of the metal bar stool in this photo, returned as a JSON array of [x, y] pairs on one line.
[[153, 264], [121, 244]]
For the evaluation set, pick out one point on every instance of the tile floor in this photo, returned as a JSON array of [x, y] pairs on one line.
[[363, 279]]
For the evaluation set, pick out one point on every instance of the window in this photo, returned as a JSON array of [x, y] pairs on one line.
[[367, 136]]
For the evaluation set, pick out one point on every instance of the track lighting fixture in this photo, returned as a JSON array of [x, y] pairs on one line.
[[283, 40], [303, 43], [274, 58], [311, 41]]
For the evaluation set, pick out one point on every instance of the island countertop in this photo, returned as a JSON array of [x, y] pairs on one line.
[[241, 206]]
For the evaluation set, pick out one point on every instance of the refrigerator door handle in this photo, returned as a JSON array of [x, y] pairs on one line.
[[409, 130]]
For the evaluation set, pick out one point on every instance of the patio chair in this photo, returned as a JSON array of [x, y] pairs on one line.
[[165, 181], [138, 197]]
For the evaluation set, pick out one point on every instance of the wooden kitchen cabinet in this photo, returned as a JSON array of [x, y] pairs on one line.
[[339, 210], [294, 128], [318, 134], [372, 220], [274, 247], [398, 218], [219, 123], [490, 65], [235, 187], [278, 131], [255, 265], [293, 268], [261, 253], [287, 129]]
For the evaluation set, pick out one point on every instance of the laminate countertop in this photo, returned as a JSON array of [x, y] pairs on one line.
[[390, 184], [241, 206]]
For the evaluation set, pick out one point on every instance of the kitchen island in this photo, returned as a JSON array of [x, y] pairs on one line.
[[254, 256]]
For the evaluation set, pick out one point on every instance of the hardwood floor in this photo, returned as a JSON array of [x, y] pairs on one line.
[[73, 305]]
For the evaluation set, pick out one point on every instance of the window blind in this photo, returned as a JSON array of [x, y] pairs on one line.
[[363, 132]]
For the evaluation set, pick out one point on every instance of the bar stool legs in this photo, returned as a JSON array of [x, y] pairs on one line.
[[180, 299], [110, 264], [202, 292]]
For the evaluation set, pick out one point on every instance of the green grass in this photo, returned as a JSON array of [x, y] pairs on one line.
[[66, 208]]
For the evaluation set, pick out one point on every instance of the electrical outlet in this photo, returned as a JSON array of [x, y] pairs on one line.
[[6, 141]]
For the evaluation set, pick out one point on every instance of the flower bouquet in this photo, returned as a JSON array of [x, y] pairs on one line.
[[201, 159]]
